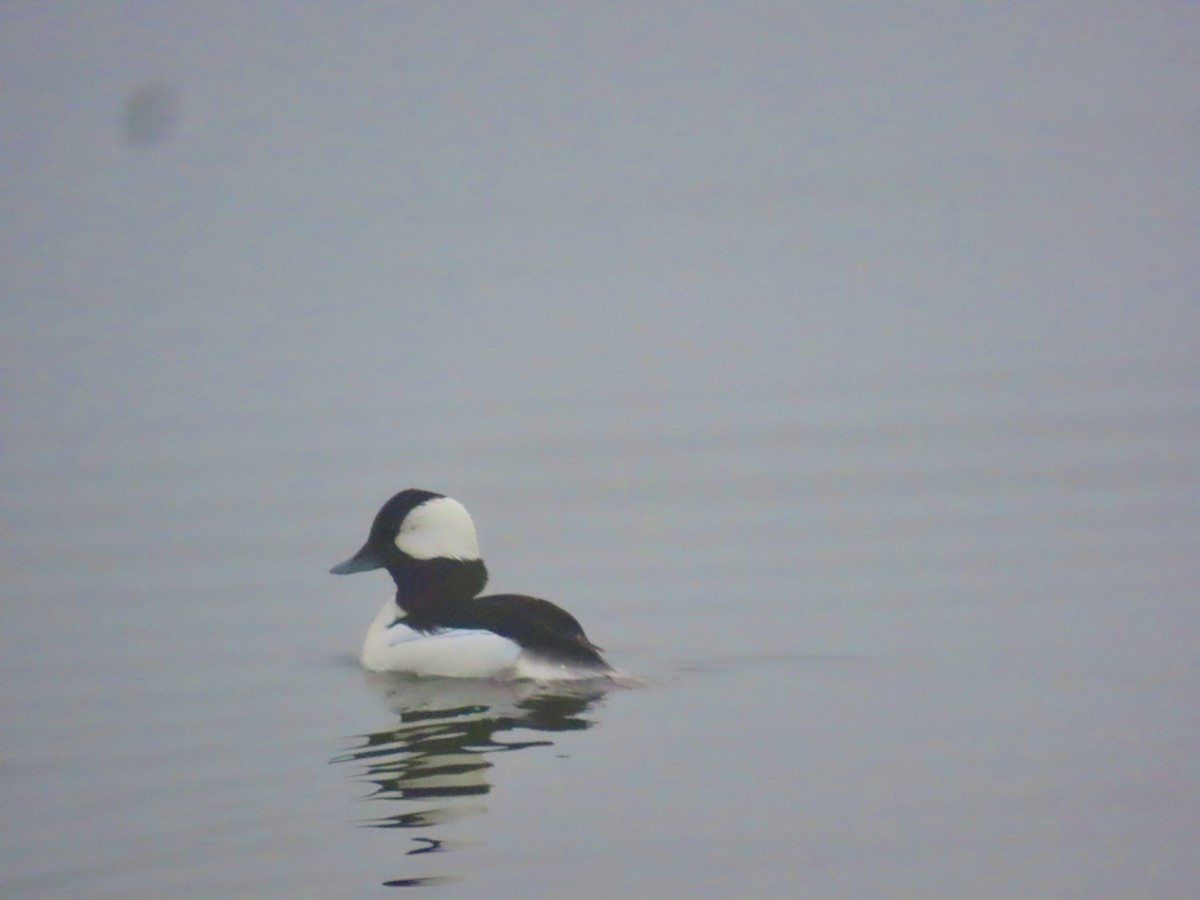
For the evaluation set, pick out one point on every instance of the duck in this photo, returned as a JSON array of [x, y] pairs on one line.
[[438, 624]]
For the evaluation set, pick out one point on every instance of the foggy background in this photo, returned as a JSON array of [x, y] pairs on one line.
[[755, 335]]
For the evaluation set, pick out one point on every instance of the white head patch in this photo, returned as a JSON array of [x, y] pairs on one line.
[[438, 528]]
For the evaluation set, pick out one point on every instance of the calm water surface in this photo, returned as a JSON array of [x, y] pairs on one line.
[[835, 364], [919, 652]]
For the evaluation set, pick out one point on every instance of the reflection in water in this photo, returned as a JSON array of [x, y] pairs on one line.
[[436, 762]]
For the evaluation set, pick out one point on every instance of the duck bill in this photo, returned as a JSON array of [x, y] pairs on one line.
[[365, 560]]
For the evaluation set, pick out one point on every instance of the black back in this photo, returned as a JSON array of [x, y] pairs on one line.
[[538, 625], [531, 622]]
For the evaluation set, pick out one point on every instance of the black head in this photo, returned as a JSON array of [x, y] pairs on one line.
[[413, 526]]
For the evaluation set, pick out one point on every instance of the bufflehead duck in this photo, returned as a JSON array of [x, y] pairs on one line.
[[437, 624]]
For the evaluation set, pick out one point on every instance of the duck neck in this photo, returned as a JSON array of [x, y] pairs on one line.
[[432, 590]]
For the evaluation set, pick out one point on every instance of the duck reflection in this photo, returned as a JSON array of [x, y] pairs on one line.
[[437, 761]]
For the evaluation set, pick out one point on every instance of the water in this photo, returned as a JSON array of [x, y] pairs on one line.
[[838, 372], [943, 657]]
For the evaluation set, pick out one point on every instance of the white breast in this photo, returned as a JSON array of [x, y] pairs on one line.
[[456, 652]]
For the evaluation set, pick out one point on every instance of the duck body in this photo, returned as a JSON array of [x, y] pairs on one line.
[[437, 624], [391, 646]]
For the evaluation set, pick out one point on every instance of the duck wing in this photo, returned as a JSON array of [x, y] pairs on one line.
[[537, 625]]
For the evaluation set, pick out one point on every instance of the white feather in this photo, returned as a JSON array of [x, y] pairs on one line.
[[455, 652], [440, 528]]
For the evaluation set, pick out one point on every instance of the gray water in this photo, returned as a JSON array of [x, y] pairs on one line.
[[837, 368]]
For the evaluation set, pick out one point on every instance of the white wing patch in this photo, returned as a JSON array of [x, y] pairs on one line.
[[440, 528]]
